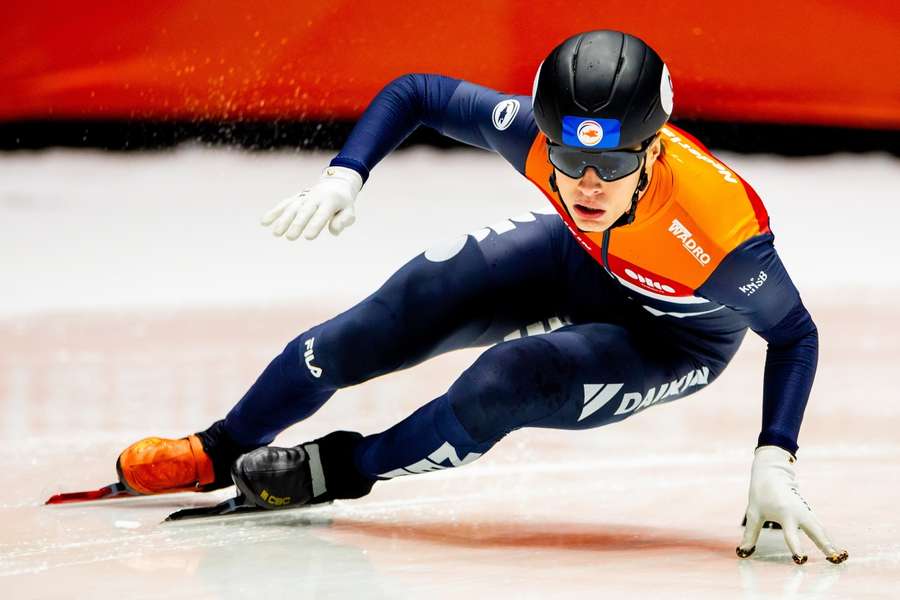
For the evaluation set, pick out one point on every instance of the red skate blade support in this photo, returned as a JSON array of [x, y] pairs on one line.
[[113, 490]]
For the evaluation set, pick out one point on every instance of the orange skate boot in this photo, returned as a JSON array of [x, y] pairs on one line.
[[200, 462]]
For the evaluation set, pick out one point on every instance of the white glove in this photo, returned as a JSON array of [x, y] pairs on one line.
[[330, 201], [774, 496]]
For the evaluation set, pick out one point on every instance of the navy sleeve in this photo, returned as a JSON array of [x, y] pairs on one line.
[[458, 109], [753, 281]]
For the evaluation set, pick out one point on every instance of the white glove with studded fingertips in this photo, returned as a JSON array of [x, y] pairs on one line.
[[329, 201], [775, 496]]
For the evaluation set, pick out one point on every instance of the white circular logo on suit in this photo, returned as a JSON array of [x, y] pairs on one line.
[[447, 249], [666, 93], [504, 113], [589, 133]]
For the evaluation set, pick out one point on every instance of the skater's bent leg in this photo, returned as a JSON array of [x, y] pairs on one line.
[[439, 301], [286, 392], [500, 392], [429, 439], [578, 377]]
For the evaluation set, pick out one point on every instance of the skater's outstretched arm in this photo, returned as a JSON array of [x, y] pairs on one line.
[[753, 281], [464, 111]]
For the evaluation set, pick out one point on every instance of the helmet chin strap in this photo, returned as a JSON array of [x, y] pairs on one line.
[[628, 217], [555, 188]]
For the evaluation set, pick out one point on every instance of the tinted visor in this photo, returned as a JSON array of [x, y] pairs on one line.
[[611, 165]]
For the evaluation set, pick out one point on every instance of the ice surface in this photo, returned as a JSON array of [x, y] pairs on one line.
[[140, 296]]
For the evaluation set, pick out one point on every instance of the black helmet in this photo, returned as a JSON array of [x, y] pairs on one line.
[[602, 90]]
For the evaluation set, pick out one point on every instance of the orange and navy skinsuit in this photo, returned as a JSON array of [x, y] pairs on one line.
[[640, 314]]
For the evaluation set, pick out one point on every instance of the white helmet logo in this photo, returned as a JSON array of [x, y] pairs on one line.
[[504, 113], [535, 84], [666, 94], [590, 133]]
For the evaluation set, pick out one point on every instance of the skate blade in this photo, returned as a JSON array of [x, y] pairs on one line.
[[232, 506], [237, 506], [113, 490]]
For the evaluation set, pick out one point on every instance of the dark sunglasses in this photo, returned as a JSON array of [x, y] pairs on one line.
[[610, 165]]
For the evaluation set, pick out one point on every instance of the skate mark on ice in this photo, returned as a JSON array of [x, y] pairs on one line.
[[547, 535]]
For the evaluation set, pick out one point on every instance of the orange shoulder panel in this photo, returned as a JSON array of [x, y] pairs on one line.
[[717, 198], [537, 165], [695, 211]]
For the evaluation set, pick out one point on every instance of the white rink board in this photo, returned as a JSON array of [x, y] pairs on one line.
[[87, 230], [141, 297]]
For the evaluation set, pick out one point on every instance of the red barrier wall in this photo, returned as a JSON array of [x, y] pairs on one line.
[[829, 62]]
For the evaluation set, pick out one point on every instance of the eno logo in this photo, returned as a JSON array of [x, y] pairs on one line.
[[650, 283], [504, 113]]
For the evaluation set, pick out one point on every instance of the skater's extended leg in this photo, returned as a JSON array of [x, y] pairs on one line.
[[468, 294], [577, 377]]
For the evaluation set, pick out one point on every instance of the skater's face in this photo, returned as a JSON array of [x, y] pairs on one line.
[[595, 204]]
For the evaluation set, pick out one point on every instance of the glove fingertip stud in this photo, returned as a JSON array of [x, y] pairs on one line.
[[838, 557], [745, 553], [800, 559]]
